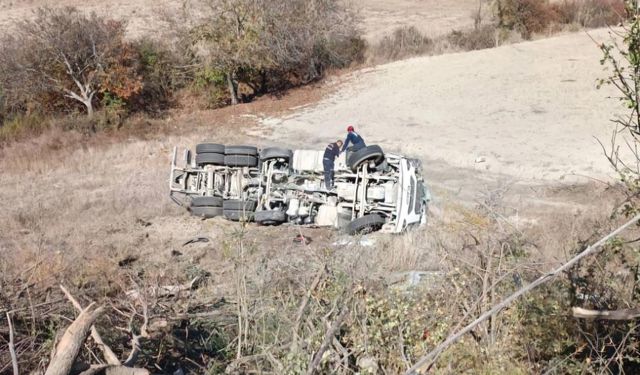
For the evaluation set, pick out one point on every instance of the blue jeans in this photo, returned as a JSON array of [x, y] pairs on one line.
[[328, 166]]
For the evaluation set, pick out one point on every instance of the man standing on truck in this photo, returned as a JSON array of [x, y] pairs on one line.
[[328, 162], [355, 139]]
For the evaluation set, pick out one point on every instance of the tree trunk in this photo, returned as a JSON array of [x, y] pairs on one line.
[[89, 106], [233, 88]]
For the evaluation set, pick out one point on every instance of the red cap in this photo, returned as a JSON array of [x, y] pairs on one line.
[[350, 128]]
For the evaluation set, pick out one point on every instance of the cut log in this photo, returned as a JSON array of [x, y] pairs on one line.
[[109, 355], [69, 346]]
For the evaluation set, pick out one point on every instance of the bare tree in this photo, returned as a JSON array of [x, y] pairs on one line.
[[262, 43], [63, 52]]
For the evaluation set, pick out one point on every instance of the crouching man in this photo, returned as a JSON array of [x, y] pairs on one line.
[[328, 162]]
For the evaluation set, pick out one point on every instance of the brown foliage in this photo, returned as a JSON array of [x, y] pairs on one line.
[[64, 58], [525, 16], [590, 13]]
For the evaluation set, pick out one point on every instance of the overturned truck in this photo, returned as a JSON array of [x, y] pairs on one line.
[[373, 190]]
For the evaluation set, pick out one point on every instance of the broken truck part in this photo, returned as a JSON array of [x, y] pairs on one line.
[[373, 190]]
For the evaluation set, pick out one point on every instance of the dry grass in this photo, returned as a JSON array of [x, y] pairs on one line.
[[97, 218]]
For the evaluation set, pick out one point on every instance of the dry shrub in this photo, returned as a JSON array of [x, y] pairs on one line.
[[525, 16], [590, 13], [474, 39], [405, 41], [530, 17]]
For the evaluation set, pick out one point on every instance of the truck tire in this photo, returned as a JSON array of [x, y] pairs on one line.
[[238, 215], [241, 150], [240, 161], [206, 212], [366, 224], [268, 217], [199, 201], [276, 153], [365, 154], [204, 148], [239, 205], [209, 158]]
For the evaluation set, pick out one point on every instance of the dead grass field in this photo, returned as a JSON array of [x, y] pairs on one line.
[[144, 17], [94, 213]]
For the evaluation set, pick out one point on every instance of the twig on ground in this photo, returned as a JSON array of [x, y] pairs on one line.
[[623, 314], [164, 290], [303, 305], [135, 338], [12, 349], [328, 338]]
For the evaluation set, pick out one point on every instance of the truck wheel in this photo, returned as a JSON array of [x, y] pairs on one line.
[[276, 153], [240, 161], [239, 205], [365, 154], [215, 148], [238, 215], [241, 150], [274, 217], [209, 158], [206, 212], [199, 201], [366, 224]]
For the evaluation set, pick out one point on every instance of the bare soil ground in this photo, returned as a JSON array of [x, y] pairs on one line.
[[379, 17], [529, 110]]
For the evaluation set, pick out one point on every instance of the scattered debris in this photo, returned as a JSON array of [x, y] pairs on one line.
[[364, 242], [128, 260], [304, 240], [144, 223], [411, 279], [175, 253], [197, 239], [164, 290]]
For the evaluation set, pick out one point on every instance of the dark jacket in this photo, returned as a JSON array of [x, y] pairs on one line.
[[355, 139], [331, 153]]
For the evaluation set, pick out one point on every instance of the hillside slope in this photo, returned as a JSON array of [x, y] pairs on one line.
[[529, 110]]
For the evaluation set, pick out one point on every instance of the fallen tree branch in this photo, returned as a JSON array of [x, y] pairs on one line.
[[163, 290], [328, 338], [114, 370], [425, 363], [622, 314], [303, 305], [69, 346], [109, 355], [12, 348], [135, 338]]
